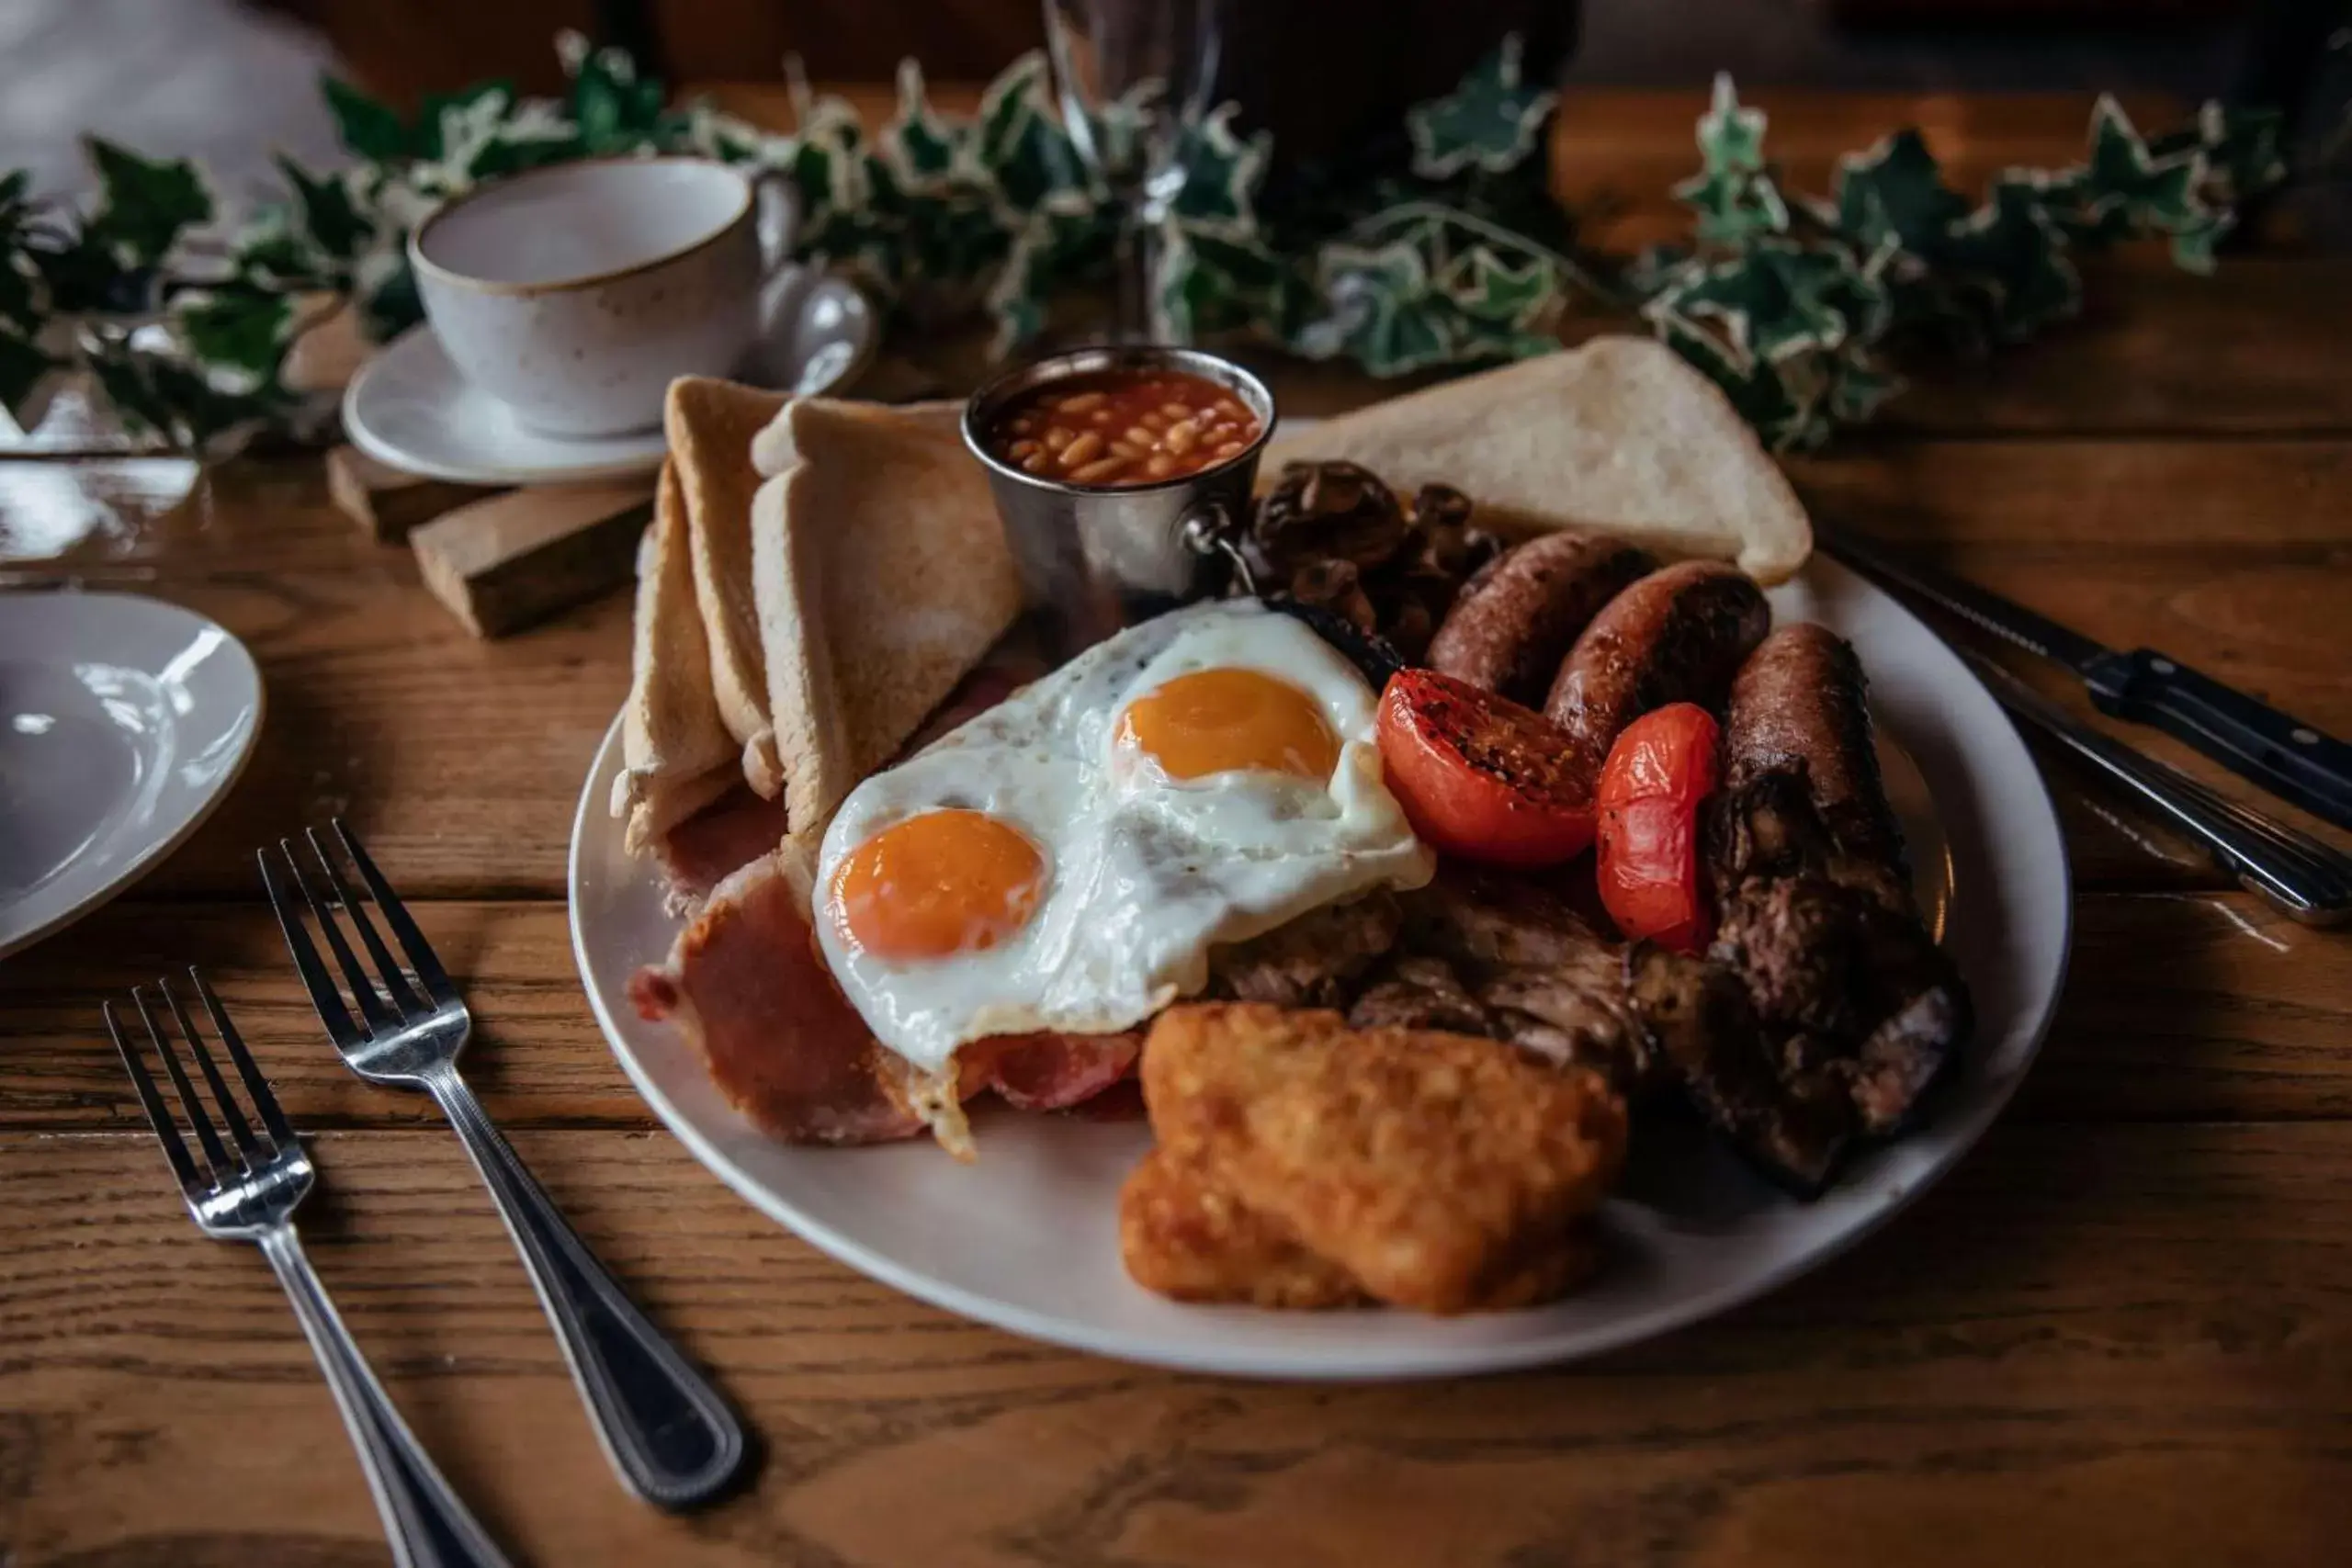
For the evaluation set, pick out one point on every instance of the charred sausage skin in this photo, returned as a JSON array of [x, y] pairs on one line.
[[1677, 636], [1816, 910], [1516, 618]]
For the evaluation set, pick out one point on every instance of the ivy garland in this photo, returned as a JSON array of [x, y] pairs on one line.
[[1453, 254]]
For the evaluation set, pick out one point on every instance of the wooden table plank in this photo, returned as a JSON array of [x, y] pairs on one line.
[[2089, 1337], [2179, 1007]]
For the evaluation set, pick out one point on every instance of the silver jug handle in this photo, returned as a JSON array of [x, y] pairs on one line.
[[1210, 529]]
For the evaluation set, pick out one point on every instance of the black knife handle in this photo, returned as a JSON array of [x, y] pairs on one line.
[[2293, 760]]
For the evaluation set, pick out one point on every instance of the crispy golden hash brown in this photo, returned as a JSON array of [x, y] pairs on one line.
[[1185, 1238], [1431, 1168]]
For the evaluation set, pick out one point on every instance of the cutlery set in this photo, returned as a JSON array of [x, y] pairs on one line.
[[2308, 880], [671, 1438]]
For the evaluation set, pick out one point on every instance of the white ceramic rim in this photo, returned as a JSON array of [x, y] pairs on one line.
[[505, 183], [131, 871], [1952, 1133]]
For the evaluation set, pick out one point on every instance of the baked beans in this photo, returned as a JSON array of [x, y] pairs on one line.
[[1122, 427]]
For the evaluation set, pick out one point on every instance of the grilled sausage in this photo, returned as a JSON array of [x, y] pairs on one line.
[[1798, 711], [1677, 636], [1519, 614], [1817, 915]]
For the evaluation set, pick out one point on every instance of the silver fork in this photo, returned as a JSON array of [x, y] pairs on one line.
[[252, 1196], [667, 1432]]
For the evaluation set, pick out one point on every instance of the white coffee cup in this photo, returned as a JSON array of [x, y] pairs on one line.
[[574, 293]]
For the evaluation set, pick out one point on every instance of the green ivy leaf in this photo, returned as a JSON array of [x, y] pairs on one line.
[[1487, 287], [919, 145], [2127, 190], [367, 127], [243, 331], [614, 110], [1380, 314], [1734, 194], [329, 218], [22, 368], [2012, 252], [1491, 121], [144, 204], [1222, 172], [1895, 192]]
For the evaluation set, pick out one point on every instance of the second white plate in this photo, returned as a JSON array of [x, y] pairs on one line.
[[1026, 1238]]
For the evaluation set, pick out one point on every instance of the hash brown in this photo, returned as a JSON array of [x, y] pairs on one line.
[[1431, 1168]]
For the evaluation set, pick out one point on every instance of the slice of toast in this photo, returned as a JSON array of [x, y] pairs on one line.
[[676, 753], [881, 576], [710, 425], [1620, 436]]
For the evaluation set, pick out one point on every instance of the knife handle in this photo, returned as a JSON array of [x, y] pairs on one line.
[[2293, 760]]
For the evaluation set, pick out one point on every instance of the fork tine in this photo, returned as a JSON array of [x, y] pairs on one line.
[[363, 989], [240, 1132], [215, 1156], [159, 1115], [258, 1087], [420, 952], [404, 1000], [315, 978]]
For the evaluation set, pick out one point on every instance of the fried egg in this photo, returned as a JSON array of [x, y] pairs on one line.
[[1068, 860]]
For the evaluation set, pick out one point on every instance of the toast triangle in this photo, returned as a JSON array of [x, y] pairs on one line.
[[676, 754], [1620, 434], [710, 425], [881, 577]]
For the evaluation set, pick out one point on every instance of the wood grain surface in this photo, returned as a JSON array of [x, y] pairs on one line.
[[2119, 1333]]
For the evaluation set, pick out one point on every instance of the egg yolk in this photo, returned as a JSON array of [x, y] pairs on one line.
[[943, 883], [1213, 721]]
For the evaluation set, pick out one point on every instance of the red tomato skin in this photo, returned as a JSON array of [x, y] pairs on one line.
[[1648, 864], [1480, 777]]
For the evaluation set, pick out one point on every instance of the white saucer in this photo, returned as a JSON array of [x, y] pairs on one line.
[[123, 722], [408, 407]]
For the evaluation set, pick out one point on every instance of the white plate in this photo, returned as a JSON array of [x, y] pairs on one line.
[[1026, 1239], [123, 721], [410, 407]]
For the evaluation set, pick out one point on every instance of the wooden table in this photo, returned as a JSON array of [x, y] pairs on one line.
[[2121, 1332]]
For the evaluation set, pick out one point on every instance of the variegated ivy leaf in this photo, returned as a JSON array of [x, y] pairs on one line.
[[367, 128], [2013, 252], [328, 217], [239, 333], [1222, 172], [1735, 193], [1758, 390], [613, 110], [1022, 148], [1488, 287], [1207, 283], [144, 204], [1492, 122], [2127, 190], [23, 368], [1378, 302], [1895, 192], [920, 148]]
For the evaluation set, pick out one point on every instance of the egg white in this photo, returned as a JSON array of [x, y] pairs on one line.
[[1144, 873]]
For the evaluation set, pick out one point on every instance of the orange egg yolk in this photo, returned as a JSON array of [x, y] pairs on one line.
[[1213, 721], [941, 883]]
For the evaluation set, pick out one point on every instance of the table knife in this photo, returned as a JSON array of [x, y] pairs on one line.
[[2294, 761], [2308, 880]]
